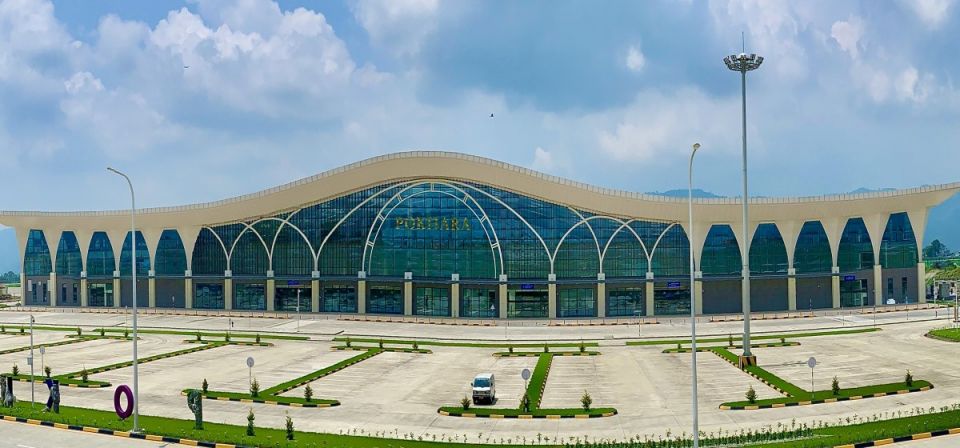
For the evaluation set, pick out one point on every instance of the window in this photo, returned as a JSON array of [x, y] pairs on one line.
[[428, 301], [339, 299], [625, 302], [576, 302], [670, 298], [479, 302], [292, 299], [890, 289], [385, 300], [527, 304], [903, 288], [208, 296], [249, 296]]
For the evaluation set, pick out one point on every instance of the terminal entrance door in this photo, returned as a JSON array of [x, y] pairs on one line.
[[286, 298], [529, 304]]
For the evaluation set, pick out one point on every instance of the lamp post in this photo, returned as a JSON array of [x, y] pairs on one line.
[[133, 282], [693, 305], [32, 398], [744, 63]]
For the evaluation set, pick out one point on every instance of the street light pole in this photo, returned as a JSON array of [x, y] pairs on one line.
[[693, 305], [133, 283], [32, 398], [744, 63]]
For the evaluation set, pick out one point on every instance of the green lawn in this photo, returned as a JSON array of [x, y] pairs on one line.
[[950, 334]]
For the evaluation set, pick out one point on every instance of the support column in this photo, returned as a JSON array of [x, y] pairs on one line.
[[116, 289], [921, 282], [877, 284], [552, 296], [648, 295], [84, 301], [408, 293], [271, 292], [791, 289], [835, 286], [502, 296], [152, 289], [601, 295], [227, 290], [454, 295], [698, 292], [187, 289], [361, 292], [53, 288], [315, 292]]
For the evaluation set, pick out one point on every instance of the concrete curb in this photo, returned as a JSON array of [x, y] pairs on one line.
[[526, 416], [535, 354], [920, 436], [115, 433], [269, 402], [827, 400]]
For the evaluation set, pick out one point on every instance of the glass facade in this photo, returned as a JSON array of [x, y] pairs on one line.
[[431, 301], [339, 298], [625, 302], [434, 229], [576, 302], [479, 302]]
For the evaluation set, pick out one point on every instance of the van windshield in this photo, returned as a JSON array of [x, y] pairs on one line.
[[481, 382]]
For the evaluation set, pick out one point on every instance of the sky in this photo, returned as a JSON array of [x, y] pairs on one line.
[[207, 99]]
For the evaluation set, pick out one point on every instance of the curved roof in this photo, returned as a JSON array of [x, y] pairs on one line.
[[463, 167]]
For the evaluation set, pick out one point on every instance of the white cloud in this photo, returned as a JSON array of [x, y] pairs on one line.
[[905, 85], [398, 25], [635, 60], [847, 34], [930, 12], [542, 160]]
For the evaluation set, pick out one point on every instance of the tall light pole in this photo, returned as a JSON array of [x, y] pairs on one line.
[[744, 63], [133, 283], [693, 305]]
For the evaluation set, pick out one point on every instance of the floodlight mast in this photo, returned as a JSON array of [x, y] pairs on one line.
[[744, 63]]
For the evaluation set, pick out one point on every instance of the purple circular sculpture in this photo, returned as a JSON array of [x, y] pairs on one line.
[[125, 391]]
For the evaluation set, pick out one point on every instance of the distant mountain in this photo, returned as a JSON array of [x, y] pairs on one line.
[[870, 190], [682, 193]]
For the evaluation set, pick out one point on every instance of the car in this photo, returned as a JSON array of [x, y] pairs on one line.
[[484, 388]]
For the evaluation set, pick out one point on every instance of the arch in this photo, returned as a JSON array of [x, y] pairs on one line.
[[100, 258], [247, 257], [812, 253], [670, 256], [286, 223], [855, 252], [294, 250], [209, 254], [143, 256], [768, 252], [233, 246], [592, 233], [482, 218], [601, 254], [36, 258], [898, 248], [618, 269], [69, 259], [721, 253], [170, 257]]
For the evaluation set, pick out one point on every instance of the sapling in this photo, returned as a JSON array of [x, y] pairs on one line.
[[835, 386], [15, 370], [586, 400], [308, 393], [250, 419], [289, 427], [751, 395], [465, 403], [255, 388], [908, 379], [205, 386]]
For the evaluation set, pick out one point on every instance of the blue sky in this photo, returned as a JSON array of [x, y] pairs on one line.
[[852, 93]]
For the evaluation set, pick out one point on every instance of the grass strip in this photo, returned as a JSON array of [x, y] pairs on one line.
[[864, 392], [710, 348], [756, 337], [48, 344], [947, 334], [538, 380], [465, 344], [778, 383], [209, 334]]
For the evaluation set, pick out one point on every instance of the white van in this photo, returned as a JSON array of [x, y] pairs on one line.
[[484, 388]]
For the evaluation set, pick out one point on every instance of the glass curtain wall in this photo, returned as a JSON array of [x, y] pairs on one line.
[[625, 302], [431, 301], [479, 302], [339, 298], [576, 302]]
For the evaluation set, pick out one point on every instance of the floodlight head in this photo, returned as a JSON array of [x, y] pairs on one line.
[[696, 146], [743, 62]]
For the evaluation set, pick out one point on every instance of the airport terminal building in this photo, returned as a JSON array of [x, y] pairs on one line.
[[450, 235]]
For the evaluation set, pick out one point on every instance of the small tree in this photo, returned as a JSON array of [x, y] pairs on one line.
[[525, 402], [15, 370], [835, 386], [79, 332], [679, 347], [416, 346], [546, 348], [729, 340], [3, 329], [250, 418], [199, 338], [46, 370], [783, 340], [510, 349], [102, 332], [205, 386], [289, 427], [583, 347], [465, 402], [255, 388], [227, 337], [751, 395], [22, 330], [908, 378], [258, 338], [84, 375], [308, 393], [126, 334], [380, 343], [586, 400], [348, 341]]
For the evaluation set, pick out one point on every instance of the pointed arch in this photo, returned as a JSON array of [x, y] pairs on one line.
[[36, 259], [69, 260]]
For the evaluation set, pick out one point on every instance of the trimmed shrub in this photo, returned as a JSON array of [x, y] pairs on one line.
[[102, 332], [908, 379], [15, 370], [255, 388], [586, 400], [79, 332], [258, 341], [199, 338], [465, 402], [348, 342], [84, 375], [583, 347], [416, 346], [546, 348], [751, 395], [783, 340], [729, 340], [227, 337], [204, 386], [250, 418], [510, 349], [289, 427], [308, 393], [22, 330], [835, 386], [380, 343], [126, 334], [3, 329]]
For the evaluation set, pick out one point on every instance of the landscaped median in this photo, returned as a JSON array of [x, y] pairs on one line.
[[797, 396], [534, 393], [945, 334], [272, 395], [506, 346], [710, 348], [755, 337]]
